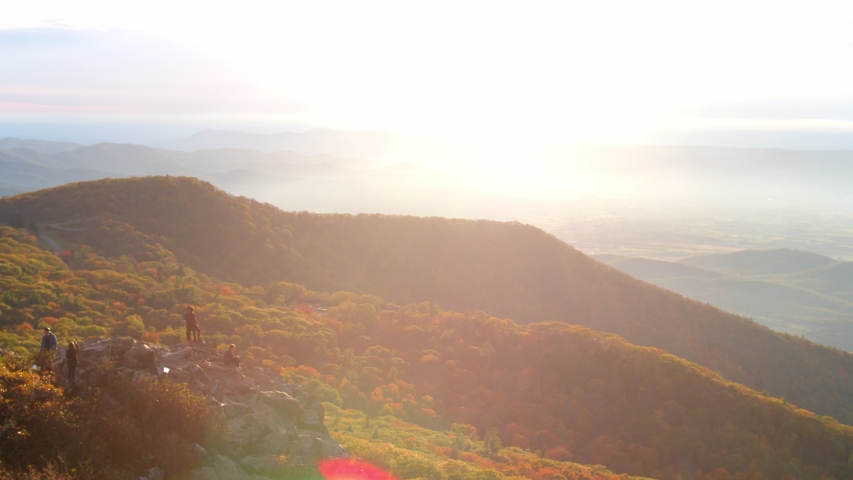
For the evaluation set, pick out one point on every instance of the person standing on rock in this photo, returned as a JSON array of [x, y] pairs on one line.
[[48, 347], [71, 359], [230, 357], [193, 332]]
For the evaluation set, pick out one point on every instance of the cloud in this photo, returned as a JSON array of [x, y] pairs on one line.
[[56, 70]]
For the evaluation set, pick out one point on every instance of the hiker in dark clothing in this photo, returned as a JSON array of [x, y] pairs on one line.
[[48, 340], [48, 347], [193, 332], [71, 359], [230, 357]]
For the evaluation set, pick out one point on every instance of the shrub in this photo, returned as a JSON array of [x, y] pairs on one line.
[[111, 430]]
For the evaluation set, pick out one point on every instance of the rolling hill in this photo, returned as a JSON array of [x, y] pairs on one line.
[[650, 270], [550, 389], [507, 269], [40, 146], [365, 145], [235, 170], [783, 289], [755, 263], [835, 280]]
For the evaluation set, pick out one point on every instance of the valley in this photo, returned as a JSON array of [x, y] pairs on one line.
[[791, 291]]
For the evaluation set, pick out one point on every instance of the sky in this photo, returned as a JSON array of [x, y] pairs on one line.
[[753, 74]]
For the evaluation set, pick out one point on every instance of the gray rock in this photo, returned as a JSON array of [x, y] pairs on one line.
[[266, 416], [121, 345], [155, 473], [234, 409], [282, 401], [318, 446], [143, 357], [199, 451], [198, 374], [93, 353], [257, 465], [203, 473], [312, 416], [226, 469], [277, 442]]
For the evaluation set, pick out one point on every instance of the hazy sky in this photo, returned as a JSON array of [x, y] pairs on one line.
[[729, 73]]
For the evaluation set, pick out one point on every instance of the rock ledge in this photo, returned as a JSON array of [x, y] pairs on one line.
[[272, 425]]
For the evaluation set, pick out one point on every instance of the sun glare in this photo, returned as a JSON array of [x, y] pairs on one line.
[[572, 71]]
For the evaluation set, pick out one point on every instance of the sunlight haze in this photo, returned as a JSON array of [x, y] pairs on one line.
[[623, 72], [445, 240]]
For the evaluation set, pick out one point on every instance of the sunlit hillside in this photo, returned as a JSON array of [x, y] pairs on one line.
[[507, 269], [559, 391]]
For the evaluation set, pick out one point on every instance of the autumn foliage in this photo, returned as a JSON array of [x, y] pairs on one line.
[[507, 269]]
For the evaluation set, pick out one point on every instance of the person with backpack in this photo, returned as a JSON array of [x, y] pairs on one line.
[[71, 359], [193, 332]]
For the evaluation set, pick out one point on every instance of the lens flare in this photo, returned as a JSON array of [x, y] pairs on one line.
[[346, 469]]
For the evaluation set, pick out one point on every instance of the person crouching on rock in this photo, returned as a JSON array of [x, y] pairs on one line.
[[193, 332], [71, 359], [230, 357]]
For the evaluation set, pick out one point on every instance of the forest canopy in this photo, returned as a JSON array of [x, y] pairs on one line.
[[510, 270], [564, 393]]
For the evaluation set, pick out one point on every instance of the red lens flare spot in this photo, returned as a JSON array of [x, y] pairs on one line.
[[345, 469]]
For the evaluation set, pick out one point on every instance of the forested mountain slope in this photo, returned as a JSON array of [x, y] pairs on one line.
[[507, 269], [564, 391], [814, 303], [755, 263]]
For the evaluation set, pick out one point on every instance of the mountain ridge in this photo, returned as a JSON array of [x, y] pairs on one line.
[[509, 269], [760, 262], [569, 392], [41, 146]]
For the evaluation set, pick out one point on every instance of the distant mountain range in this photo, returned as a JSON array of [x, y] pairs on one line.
[[24, 169], [40, 146], [312, 181], [789, 290], [774, 163], [369, 145]]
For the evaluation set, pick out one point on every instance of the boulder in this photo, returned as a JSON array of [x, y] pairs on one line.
[[180, 358], [276, 442], [203, 473], [316, 446], [199, 451], [232, 410], [312, 416], [155, 473], [283, 401], [267, 418], [93, 353], [121, 345], [257, 465], [141, 357], [198, 374], [226, 469]]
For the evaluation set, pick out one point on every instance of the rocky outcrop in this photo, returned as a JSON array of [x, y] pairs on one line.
[[272, 425]]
